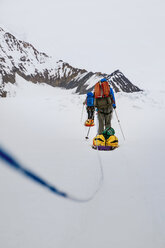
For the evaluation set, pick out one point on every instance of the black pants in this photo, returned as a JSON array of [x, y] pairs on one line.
[[90, 111]]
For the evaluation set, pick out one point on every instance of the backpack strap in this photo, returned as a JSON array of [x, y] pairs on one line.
[[102, 112]]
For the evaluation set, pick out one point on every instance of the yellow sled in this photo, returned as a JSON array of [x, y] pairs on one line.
[[100, 143], [112, 141], [99, 140]]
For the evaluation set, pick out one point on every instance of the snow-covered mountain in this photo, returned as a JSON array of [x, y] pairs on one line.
[[19, 57]]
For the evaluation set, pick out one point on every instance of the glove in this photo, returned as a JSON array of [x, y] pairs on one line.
[[114, 107]]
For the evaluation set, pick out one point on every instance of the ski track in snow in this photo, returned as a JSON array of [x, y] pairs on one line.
[[41, 127]]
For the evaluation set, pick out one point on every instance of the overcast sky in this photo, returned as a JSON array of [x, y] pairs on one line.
[[96, 35]]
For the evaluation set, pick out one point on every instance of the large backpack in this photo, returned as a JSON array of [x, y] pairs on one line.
[[90, 99], [102, 94], [102, 89]]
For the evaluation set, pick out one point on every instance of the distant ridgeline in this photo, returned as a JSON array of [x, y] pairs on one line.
[[19, 57]]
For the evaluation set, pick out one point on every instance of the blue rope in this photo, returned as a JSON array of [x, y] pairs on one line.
[[31, 175], [13, 163]]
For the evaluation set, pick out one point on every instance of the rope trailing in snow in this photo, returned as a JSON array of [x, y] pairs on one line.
[[101, 175], [10, 161], [98, 154], [13, 163]]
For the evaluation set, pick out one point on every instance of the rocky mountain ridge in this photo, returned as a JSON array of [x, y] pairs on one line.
[[19, 57]]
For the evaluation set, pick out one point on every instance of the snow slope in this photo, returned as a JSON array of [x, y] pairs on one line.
[[41, 127]]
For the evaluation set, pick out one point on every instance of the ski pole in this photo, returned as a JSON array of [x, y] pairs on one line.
[[82, 112], [87, 137], [119, 124]]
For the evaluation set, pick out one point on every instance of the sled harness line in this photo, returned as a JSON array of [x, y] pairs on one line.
[[13, 163]]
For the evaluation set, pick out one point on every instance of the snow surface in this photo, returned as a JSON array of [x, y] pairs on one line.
[[41, 126]]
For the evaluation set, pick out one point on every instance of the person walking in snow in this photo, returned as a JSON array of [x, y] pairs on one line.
[[105, 103], [89, 101]]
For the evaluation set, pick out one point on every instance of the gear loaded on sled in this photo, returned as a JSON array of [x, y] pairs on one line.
[[90, 109], [106, 141]]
